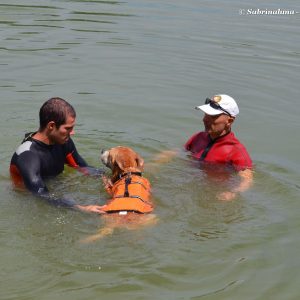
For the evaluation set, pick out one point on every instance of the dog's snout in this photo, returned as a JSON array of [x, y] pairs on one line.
[[102, 151]]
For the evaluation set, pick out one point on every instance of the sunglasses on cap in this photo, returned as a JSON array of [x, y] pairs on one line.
[[215, 105]]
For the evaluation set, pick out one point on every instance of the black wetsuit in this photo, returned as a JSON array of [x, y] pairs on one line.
[[35, 161]]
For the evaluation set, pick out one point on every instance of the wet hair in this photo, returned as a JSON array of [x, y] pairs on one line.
[[57, 110]]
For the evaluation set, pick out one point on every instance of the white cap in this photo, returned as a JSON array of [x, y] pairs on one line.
[[224, 101]]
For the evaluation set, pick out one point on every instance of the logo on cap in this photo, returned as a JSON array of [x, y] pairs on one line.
[[217, 98]]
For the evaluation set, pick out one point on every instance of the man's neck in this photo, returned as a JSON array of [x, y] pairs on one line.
[[42, 137], [214, 137]]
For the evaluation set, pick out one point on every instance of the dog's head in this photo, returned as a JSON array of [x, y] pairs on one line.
[[121, 160]]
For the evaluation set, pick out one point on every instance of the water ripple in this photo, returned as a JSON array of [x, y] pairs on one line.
[[33, 49], [96, 1], [102, 14], [28, 6]]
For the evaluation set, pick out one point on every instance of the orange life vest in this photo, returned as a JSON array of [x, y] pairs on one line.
[[130, 193]]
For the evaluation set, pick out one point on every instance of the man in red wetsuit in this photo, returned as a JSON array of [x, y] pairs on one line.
[[218, 144], [44, 153]]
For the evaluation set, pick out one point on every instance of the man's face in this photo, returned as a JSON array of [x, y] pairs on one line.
[[217, 125], [62, 134]]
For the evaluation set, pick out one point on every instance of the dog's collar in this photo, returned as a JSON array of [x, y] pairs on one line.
[[131, 173]]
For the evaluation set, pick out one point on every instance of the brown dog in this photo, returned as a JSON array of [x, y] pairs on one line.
[[130, 204]]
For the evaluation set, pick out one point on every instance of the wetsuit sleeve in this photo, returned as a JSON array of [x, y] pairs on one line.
[[29, 167], [74, 160]]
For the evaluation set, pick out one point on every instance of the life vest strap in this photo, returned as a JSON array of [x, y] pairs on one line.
[[134, 197], [132, 182], [127, 182]]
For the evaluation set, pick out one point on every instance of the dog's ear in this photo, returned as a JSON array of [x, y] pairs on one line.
[[116, 170], [139, 163], [113, 159], [128, 160]]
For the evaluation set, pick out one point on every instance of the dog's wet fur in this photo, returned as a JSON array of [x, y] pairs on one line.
[[121, 160]]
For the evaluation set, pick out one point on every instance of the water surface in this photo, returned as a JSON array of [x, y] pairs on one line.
[[134, 71]]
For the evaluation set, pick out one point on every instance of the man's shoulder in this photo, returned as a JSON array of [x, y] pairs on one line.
[[195, 138], [231, 138], [235, 141], [202, 135], [29, 145], [24, 153], [26, 146]]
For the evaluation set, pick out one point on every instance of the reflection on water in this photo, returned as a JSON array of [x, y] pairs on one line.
[[134, 70]]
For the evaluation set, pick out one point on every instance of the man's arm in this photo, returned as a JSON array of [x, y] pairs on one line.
[[246, 179], [242, 162], [74, 159], [29, 167], [161, 158]]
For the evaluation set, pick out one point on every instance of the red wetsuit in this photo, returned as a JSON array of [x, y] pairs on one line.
[[34, 161], [226, 149]]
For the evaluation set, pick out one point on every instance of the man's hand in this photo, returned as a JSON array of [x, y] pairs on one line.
[[91, 171], [164, 156], [226, 196], [246, 181], [160, 159], [91, 208]]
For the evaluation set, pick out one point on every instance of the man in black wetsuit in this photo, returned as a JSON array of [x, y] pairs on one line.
[[43, 154]]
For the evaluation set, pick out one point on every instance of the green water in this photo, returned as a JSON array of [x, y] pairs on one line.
[[134, 71]]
